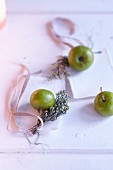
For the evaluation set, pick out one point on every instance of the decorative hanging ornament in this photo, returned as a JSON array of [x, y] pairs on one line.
[[48, 106], [80, 57]]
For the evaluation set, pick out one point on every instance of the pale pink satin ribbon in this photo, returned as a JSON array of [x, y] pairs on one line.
[[13, 103]]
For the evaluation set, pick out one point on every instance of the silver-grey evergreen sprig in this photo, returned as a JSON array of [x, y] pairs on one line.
[[60, 107]]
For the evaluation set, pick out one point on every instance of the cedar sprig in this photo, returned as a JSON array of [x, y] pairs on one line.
[[59, 68]]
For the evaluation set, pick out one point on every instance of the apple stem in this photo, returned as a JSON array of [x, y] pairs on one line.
[[101, 89], [103, 97]]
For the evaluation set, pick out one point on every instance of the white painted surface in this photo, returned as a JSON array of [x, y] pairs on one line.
[[60, 6], [46, 162], [83, 140]]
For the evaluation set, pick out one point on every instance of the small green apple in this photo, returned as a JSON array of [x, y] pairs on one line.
[[42, 99], [103, 103], [80, 58]]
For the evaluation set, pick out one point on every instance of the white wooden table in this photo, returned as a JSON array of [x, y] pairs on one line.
[[87, 143]]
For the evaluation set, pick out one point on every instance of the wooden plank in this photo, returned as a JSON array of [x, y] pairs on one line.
[[52, 6], [46, 162]]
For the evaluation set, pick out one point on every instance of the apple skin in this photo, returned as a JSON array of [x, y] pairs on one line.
[[42, 99], [80, 58], [103, 103]]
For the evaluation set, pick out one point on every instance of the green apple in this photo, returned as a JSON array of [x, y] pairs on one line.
[[80, 58], [103, 103], [42, 99]]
